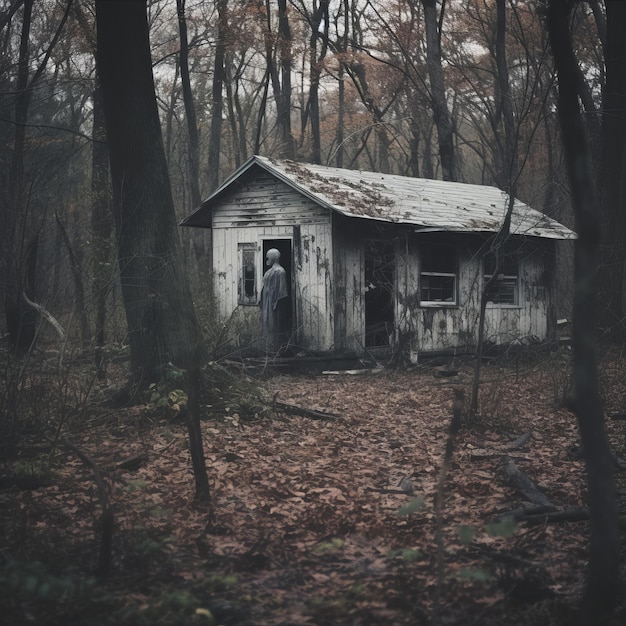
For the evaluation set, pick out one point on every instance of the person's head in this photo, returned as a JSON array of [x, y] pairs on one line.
[[272, 256]]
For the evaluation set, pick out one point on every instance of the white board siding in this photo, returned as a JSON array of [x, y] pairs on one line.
[[349, 289], [311, 281], [439, 328], [263, 207], [314, 298], [263, 201]]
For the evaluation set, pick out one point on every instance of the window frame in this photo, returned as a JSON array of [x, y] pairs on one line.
[[243, 250], [508, 259], [432, 273]]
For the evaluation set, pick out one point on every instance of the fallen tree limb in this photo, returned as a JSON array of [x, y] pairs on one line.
[[480, 454], [518, 514], [47, 315], [519, 442], [132, 463], [292, 409], [523, 483], [569, 515]]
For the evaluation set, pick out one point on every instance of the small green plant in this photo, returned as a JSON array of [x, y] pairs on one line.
[[503, 528], [33, 579], [335, 543], [217, 583], [466, 534], [233, 396], [475, 574], [412, 506], [162, 396], [408, 555]]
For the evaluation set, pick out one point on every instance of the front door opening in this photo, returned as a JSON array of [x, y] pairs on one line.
[[379, 292], [286, 260]]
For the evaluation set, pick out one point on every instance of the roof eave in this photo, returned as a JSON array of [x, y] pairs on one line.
[[207, 204]]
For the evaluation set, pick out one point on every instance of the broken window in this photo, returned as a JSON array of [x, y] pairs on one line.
[[504, 289], [247, 273], [439, 275]]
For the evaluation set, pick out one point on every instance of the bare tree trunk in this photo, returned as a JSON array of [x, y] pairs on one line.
[[312, 107], [233, 115], [613, 172], [510, 161], [169, 114], [101, 226], [284, 112], [601, 592], [217, 98], [161, 320], [20, 320], [76, 270], [263, 104], [509, 174], [341, 93], [162, 325], [441, 114], [190, 109], [20, 250], [282, 86], [341, 113]]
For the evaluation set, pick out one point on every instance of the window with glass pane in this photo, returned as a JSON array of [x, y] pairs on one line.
[[504, 289], [438, 277], [247, 273]]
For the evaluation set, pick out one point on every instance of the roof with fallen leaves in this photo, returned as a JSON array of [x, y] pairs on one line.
[[429, 205]]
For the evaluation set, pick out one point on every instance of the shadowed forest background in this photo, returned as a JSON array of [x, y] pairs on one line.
[[116, 120]]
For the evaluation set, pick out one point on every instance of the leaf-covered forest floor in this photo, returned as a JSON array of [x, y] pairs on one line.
[[313, 521]]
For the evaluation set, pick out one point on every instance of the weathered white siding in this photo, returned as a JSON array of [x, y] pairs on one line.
[[261, 208], [437, 327], [349, 287], [434, 328]]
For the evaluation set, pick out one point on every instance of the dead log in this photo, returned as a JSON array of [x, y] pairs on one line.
[[569, 515], [480, 454], [292, 409], [519, 442], [132, 463], [518, 514], [523, 483]]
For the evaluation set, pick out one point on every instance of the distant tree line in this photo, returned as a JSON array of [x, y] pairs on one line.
[[455, 90]]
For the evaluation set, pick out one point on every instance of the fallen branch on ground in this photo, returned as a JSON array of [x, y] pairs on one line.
[[292, 409], [523, 483], [546, 517], [519, 442]]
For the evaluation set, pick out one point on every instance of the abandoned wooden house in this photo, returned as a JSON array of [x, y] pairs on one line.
[[377, 260]]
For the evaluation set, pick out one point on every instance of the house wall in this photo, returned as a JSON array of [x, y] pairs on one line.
[[349, 285], [260, 208], [436, 327], [432, 328]]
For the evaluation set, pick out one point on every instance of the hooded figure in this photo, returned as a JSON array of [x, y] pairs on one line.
[[272, 303]]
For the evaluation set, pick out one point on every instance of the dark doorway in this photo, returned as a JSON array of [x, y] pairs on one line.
[[286, 260], [379, 292]]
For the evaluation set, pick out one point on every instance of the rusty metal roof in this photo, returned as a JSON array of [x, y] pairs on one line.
[[429, 205]]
